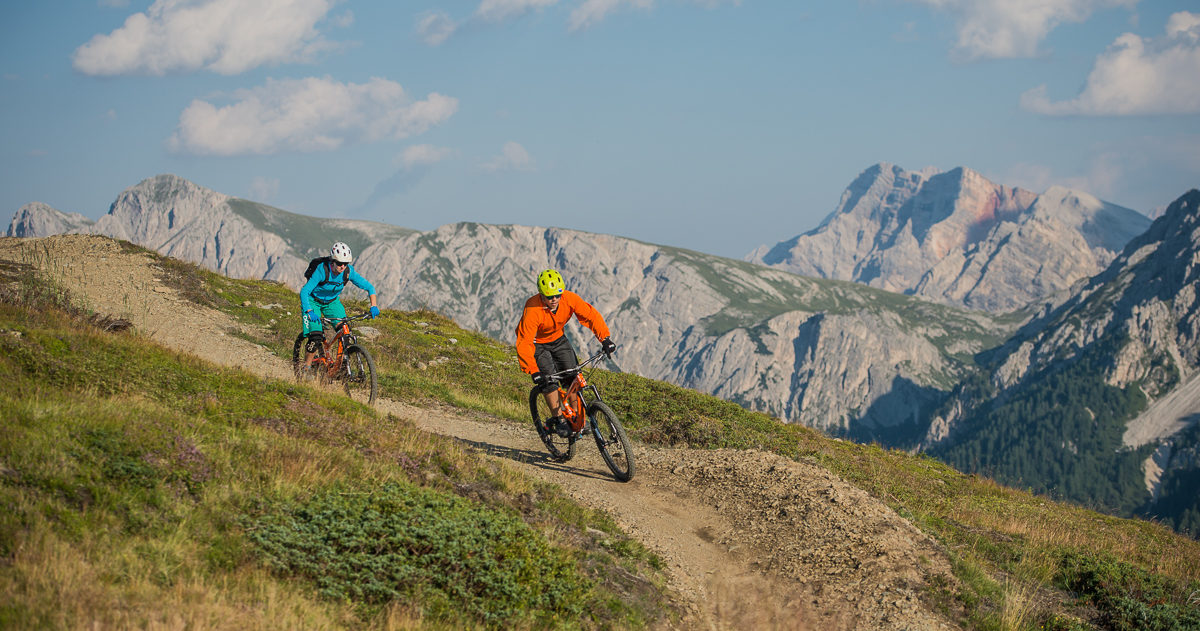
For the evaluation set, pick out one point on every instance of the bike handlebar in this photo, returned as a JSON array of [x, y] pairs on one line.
[[335, 322], [578, 369]]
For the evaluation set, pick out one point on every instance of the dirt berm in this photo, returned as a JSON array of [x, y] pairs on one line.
[[752, 540]]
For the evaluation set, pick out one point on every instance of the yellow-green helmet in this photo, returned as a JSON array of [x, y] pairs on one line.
[[550, 283]]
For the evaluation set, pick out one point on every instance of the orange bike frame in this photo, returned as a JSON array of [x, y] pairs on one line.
[[333, 361], [576, 417]]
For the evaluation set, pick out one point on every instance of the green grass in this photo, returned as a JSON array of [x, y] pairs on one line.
[[379, 543], [140, 487], [1129, 596], [308, 236], [1007, 546]]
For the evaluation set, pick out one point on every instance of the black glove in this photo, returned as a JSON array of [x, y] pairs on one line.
[[540, 378], [608, 346]]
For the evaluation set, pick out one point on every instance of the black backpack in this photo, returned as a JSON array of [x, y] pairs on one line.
[[312, 267]]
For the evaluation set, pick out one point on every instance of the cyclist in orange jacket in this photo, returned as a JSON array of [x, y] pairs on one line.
[[542, 349]]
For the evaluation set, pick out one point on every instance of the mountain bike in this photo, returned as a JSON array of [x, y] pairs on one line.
[[593, 416], [340, 359]]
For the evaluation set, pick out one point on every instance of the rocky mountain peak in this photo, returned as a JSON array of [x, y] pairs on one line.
[[958, 238], [37, 219], [156, 208]]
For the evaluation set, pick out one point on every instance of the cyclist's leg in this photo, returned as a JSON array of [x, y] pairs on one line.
[[545, 363], [312, 330], [334, 310], [315, 331], [553, 357]]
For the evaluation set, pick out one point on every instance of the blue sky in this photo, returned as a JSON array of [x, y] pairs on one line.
[[715, 125]]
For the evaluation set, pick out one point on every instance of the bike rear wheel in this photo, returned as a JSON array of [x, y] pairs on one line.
[[561, 449], [298, 360], [611, 439], [298, 356], [358, 375]]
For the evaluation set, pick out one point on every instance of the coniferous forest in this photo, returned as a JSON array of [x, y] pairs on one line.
[[1045, 438]]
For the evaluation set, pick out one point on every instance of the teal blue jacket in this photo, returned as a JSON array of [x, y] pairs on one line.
[[323, 288]]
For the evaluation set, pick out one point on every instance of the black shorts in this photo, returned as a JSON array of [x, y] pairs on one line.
[[553, 357]]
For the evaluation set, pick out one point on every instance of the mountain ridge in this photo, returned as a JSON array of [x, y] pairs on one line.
[[846, 358], [686, 317], [958, 238], [1128, 338]]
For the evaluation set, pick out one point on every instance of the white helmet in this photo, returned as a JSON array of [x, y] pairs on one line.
[[341, 253]]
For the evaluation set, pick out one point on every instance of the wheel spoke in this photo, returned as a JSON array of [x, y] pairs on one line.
[[561, 449], [357, 374], [611, 440]]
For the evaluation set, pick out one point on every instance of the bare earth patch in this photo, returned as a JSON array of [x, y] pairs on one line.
[[751, 539]]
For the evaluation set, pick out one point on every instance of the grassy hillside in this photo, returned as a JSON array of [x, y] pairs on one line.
[[1025, 561], [142, 488]]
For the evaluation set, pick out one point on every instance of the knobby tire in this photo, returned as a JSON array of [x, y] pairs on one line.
[[358, 375], [298, 361], [561, 449], [298, 356], [610, 437]]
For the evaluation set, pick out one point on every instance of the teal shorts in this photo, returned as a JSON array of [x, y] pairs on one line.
[[333, 310]]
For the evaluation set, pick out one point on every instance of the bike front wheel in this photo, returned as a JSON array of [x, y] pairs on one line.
[[610, 437], [358, 375], [561, 449]]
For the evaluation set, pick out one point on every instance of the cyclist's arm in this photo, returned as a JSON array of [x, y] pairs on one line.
[[361, 283], [306, 300], [586, 314], [526, 332]]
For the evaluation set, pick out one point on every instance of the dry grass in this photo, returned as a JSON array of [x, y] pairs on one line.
[[96, 532], [86, 585]]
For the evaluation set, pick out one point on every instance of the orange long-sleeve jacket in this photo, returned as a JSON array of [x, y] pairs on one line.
[[539, 325]]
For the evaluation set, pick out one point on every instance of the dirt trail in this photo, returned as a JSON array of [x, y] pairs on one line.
[[752, 540]]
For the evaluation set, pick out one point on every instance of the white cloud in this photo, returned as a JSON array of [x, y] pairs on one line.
[[435, 27], [1104, 176], [1000, 29], [513, 157], [421, 155], [223, 36], [1137, 76], [497, 10], [264, 189], [712, 4], [313, 114], [591, 12]]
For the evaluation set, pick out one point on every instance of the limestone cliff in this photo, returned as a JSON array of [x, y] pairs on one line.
[[958, 238]]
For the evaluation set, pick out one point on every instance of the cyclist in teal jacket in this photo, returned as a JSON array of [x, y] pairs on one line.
[[320, 296]]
